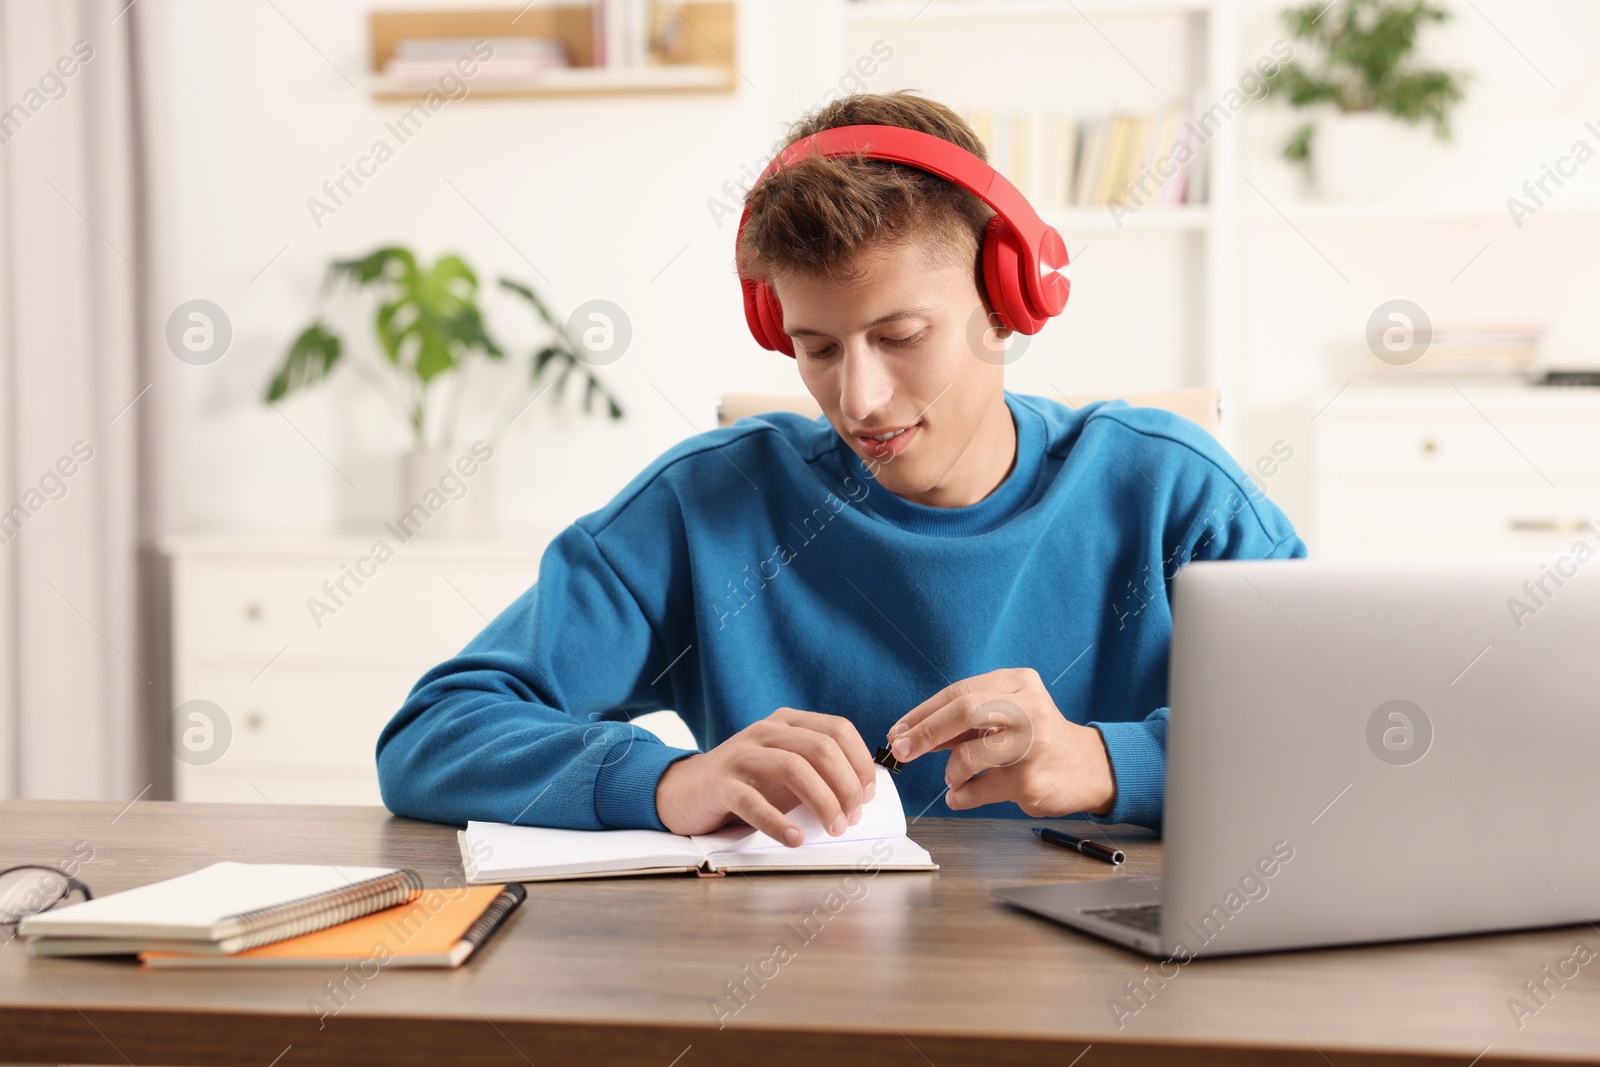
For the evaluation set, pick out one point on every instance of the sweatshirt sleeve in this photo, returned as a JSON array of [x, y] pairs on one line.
[[528, 723], [1215, 511], [1138, 750]]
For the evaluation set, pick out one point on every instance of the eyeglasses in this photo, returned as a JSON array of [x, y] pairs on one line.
[[30, 889]]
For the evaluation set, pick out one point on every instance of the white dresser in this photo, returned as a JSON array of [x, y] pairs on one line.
[[1427, 469], [301, 667], [302, 692]]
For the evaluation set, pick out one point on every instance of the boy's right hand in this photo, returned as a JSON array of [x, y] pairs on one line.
[[768, 768]]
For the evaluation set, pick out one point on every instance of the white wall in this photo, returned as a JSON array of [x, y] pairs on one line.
[[1304, 324], [602, 195], [582, 197]]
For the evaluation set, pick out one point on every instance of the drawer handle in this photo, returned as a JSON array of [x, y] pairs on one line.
[[1430, 445], [255, 720], [253, 610], [1547, 525]]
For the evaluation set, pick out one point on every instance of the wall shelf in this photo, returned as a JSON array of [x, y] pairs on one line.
[[900, 12], [703, 62], [667, 78]]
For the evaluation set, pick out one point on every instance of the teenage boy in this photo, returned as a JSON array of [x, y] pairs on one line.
[[978, 575]]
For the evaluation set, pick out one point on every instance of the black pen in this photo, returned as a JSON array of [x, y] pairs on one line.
[[1081, 845]]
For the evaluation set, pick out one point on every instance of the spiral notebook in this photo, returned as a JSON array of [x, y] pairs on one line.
[[441, 928], [224, 908]]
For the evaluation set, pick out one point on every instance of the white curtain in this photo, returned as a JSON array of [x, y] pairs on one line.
[[81, 629]]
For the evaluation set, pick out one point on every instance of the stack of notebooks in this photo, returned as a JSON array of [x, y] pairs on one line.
[[291, 915], [420, 62], [1507, 351], [500, 852], [274, 914]]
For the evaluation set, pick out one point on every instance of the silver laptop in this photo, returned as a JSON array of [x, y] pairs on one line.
[[1367, 751]]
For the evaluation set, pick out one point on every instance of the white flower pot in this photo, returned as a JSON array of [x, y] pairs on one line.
[[450, 492], [1350, 157]]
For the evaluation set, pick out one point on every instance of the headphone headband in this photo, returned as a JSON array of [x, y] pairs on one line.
[[1044, 251], [1026, 276]]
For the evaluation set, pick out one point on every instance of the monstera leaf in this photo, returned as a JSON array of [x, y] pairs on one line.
[[559, 353], [429, 319], [310, 358], [428, 324]]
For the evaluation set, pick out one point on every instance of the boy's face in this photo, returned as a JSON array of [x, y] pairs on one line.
[[896, 349]]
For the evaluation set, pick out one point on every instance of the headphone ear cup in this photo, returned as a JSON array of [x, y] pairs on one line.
[[772, 320], [764, 316], [1003, 259]]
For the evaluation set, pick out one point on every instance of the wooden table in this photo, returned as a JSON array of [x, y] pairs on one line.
[[908, 968]]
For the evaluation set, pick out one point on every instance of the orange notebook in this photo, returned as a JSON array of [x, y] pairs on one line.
[[441, 928]]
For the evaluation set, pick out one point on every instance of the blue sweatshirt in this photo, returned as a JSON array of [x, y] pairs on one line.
[[761, 565]]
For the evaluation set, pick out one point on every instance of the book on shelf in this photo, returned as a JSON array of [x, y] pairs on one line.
[[1089, 152], [421, 62], [629, 34], [1120, 160]]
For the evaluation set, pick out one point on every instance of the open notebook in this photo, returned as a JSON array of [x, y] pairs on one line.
[[500, 852]]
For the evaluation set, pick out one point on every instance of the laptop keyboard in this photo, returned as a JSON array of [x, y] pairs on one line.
[[1146, 917]]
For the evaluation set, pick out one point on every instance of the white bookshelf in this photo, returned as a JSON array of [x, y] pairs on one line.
[[1206, 236], [1186, 219], [1405, 212]]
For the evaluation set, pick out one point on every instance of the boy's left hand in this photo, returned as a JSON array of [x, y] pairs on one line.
[[1009, 741]]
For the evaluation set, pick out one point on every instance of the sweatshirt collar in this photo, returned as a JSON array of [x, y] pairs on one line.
[[1006, 499]]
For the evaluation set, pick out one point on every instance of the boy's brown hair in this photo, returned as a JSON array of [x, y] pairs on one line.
[[817, 217]]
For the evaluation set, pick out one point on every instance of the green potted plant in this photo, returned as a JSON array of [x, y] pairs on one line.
[[430, 329], [1365, 74]]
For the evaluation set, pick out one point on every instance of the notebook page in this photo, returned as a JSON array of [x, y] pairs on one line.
[[501, 852], [886, 854], [881, 817]]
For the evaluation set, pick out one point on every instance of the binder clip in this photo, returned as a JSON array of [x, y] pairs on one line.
[[885, 758]]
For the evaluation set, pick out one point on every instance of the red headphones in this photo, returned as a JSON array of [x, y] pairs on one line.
[[1025, 271]]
